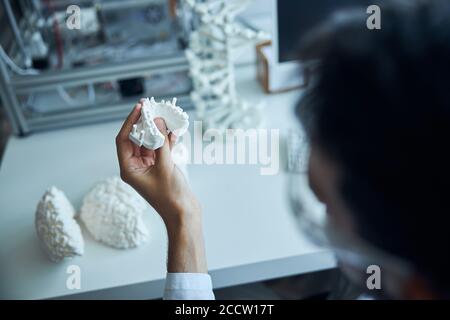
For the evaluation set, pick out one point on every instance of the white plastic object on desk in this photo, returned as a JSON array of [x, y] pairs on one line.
[[58, 232], [145, 133], [112, 213]]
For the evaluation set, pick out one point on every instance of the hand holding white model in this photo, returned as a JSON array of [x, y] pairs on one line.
[[153, 174], [145, 133]]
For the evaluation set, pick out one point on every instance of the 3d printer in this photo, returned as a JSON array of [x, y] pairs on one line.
[[57, 71]]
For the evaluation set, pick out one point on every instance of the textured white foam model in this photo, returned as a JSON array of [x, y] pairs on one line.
[[112, 213], [145, 133], [57, 230]]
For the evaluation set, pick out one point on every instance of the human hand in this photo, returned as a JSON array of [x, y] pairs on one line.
[[153, 173]]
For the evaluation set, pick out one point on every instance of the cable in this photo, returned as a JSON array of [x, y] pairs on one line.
[[57, 34], [14, 67], [65, 96]]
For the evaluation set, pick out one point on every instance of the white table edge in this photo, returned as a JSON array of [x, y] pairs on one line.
[[226, 277]]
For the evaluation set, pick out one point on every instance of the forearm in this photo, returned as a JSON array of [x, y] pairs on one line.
[[186, 252]]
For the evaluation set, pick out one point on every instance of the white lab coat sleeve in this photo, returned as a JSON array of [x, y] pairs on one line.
[[188, 286]]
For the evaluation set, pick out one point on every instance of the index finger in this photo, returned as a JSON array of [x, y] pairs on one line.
[[132, 118]]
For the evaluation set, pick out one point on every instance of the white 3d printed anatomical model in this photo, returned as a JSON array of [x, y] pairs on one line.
[[112, 213], [57, 230], [211, 46], [145, 133]]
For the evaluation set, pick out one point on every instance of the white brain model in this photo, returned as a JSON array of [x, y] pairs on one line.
[[56, 227], [145, 133], [112, 212]]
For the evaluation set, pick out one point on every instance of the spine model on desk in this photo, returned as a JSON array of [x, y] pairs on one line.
[[211, 46], [146, 134]]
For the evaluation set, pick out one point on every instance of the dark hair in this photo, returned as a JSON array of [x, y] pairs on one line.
[[380, 107]]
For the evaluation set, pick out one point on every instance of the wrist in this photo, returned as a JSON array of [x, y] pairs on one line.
[[186, 245], [183, 223], [181, 215]]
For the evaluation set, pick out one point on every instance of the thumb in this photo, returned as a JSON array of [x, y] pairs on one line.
[[163, 155]]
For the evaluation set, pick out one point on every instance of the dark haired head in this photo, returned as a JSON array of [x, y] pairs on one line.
[[380, 108]]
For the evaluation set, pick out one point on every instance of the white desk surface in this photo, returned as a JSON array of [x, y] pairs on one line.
[[249, 231]]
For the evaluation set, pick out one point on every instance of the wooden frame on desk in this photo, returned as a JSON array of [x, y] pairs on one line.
[[263, 71]]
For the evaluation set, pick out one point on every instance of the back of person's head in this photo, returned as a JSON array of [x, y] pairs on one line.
[[380, 107]]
